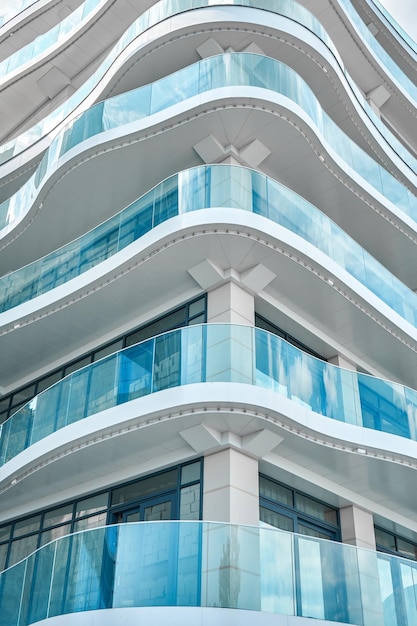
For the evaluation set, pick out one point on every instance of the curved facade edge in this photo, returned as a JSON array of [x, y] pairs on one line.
[[179, 616], [253, 98], [163, 419]]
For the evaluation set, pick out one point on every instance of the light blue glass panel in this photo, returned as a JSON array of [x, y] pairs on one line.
[[35, 597], [305, 380], [83, 572], [167, 363], [11, 585], [383, 406], [103, 385], [348, 254], [408, 574], [271, 362], [230, 567], [126, 108], [165, 200], [189, 537], [411, 408], [85, 126], [146, 571], [278, 585], [229, 354], [192, 189], [192, 355], [136, 368], [136, 220], [79, 390], [387, 592], [59, 576], [19, 431], [311, 587]]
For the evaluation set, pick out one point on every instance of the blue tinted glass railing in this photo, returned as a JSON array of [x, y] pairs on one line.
[[400, 31], [39, 45], [202, 188], [163, 10], [207, 354], [14, 10], [239, 69], [208, 564], [160, 11], [383, 57]]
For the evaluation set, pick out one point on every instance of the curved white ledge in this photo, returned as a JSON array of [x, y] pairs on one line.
[[132, 135], [308, 43], [150, 428]]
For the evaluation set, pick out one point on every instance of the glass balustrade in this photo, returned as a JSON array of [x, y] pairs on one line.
[[383, 57], [201, 188], [213, 353], [14, 9], [168, 8], [208, 564], [45, 41], [238, 69], [400, 31]]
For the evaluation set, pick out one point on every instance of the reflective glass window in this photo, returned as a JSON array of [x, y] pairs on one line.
[[26, 526], [316, 509], [276, 492], [166, 481], [54, 533], [385, 539], [275, 519], [91, 505], [91, 522], [20, 548], [58, 516], [5, 532], [48, 381], [190, 502], [190, 473]]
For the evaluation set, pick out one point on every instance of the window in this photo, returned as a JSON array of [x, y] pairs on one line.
[[394, 544], [290, 510], [175, 493], [194, 312]]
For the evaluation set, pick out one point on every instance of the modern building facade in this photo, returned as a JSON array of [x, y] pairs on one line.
[[208, 317]]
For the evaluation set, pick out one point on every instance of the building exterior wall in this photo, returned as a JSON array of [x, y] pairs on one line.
[[208, 238]]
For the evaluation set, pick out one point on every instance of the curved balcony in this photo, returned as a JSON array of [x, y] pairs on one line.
[[211, 565], [18, 7], [207, 354], [168, 8], [201, 188], [53, 37], [406, 85], [238, 69], [409, 41]]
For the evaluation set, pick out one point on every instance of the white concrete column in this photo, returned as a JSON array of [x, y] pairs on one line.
[[231, 488], [342, 361], [357, 527], [230, 304]]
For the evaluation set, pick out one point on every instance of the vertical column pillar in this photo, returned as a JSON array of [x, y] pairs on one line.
[[230, 304], [231, 566], [231, 488], [357, 526]]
